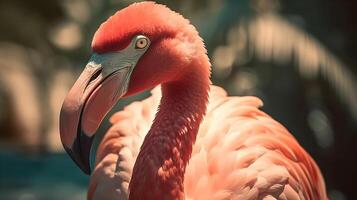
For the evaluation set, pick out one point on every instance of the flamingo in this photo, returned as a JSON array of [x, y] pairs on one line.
[[189, 139]]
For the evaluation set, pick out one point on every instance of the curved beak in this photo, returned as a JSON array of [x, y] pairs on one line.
[[101, 84]]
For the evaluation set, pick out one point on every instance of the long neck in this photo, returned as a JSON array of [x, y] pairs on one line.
[[160, 166]]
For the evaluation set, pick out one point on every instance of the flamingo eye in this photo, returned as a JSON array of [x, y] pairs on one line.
[[141, 42]]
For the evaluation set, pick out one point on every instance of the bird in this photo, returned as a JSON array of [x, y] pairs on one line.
[[189, 139]]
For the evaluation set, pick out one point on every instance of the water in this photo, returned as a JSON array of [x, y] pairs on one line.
[[49, 176]]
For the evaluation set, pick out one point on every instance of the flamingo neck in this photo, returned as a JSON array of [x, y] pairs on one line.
[[160, 166]]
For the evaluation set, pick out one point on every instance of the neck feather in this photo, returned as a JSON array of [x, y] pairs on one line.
[[159, 169]]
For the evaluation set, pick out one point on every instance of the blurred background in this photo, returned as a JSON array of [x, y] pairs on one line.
[[298, 56]]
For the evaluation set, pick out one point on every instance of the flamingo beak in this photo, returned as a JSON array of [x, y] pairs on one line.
[[102, 83]]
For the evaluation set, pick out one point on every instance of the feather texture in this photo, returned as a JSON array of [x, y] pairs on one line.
[[240, 153]]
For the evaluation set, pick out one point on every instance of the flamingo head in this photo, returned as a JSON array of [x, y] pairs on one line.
[[141, 46]]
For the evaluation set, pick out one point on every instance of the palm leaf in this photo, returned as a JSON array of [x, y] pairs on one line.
[[271, 38]]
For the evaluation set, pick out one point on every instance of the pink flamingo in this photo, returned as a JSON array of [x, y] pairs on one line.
[[200, 144]]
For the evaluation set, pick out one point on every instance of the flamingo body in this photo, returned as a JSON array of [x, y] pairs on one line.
[[189, 140], [240, 153]]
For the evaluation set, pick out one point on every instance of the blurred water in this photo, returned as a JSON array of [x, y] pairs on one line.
[[49, 176]]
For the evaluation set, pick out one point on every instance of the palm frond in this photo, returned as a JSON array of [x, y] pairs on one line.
[[271, 38]]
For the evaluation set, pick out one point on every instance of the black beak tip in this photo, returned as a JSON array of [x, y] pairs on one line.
[[80, 152], [78, 160]]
